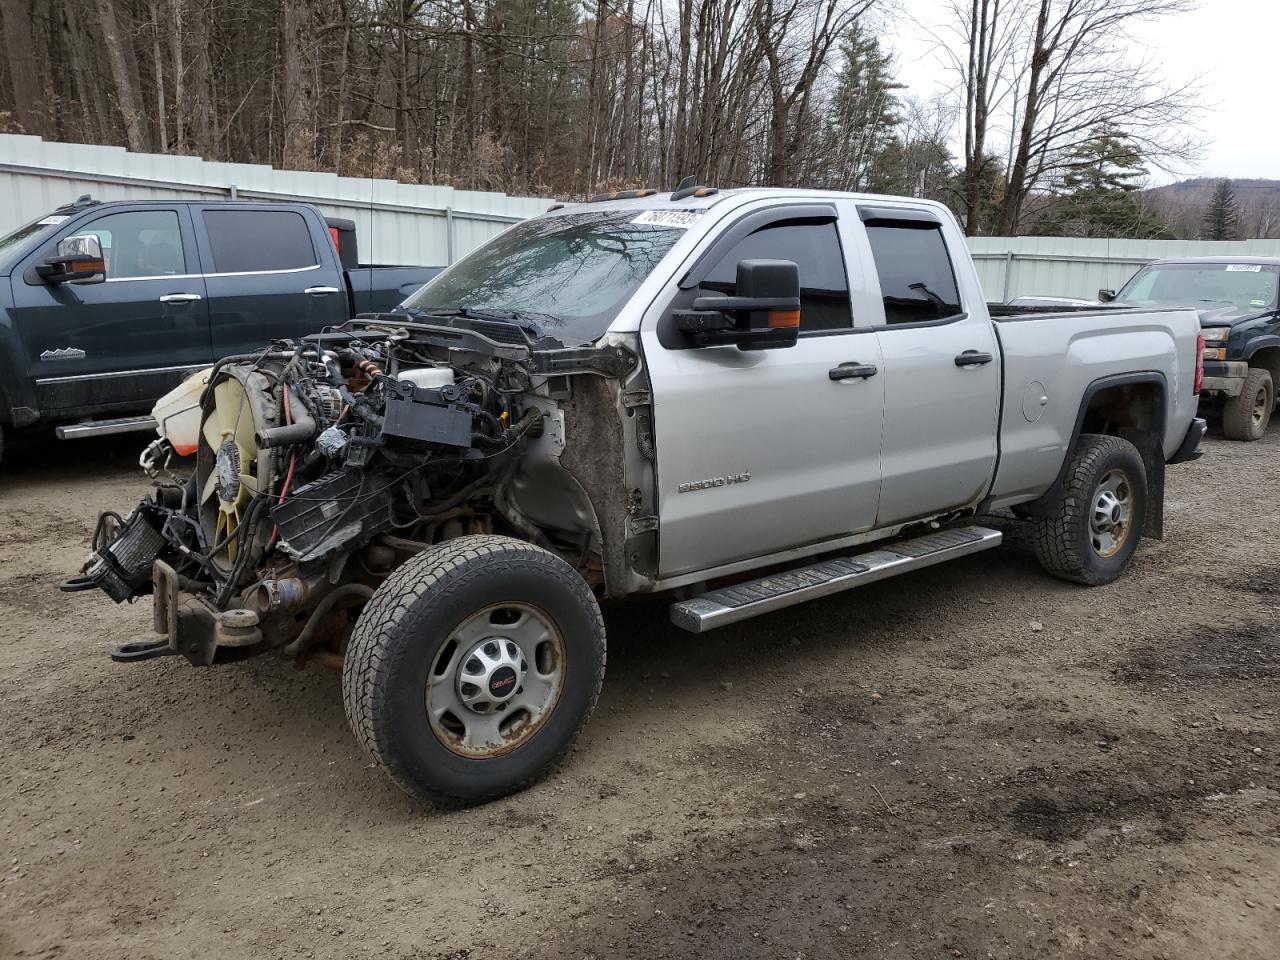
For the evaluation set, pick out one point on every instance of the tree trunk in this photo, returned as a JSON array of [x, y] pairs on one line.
[[30, 98], [162, 114], [120, 54], [299, 89], [179, 72]]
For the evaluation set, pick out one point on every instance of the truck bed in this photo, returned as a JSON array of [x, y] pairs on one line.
[[1051, 360]]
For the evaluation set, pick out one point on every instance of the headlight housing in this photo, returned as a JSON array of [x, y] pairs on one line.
[[1216, 334]]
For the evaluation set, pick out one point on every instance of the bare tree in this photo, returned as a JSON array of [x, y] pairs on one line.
[[30, 104], [299, 90], [1079, 77]]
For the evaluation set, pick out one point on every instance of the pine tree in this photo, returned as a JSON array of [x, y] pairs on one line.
[[1096, 194], [1222, 215], [865, 112]]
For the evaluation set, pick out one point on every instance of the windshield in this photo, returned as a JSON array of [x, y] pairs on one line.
[[570, 273], [11, 240], [1246, 286]]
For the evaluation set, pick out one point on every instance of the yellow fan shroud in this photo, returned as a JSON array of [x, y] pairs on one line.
[[230, 468]]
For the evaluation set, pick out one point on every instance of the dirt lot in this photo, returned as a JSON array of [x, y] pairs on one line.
[[974, 761]]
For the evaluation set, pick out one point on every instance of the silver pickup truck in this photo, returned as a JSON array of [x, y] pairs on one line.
[[740, 400]]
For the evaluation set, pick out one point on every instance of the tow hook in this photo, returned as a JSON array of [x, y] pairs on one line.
[[141, 650]]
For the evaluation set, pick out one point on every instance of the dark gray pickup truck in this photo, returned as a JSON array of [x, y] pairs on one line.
[[106, 306]]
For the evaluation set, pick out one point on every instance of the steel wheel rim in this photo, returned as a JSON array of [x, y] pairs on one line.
[[1260, 407], [495, 680], [1111, 513]]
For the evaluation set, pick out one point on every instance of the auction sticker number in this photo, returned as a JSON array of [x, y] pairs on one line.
[[684, 219], [1244, 268]]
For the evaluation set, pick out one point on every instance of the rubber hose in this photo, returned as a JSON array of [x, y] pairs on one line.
[[303, 640]]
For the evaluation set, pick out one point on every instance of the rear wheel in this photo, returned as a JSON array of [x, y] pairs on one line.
[[473, 668], [1095, 524], [1245, 417]]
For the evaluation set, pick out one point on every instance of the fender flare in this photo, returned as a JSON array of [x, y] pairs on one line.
[[1155, 463], [1261, 343], [17, 397]]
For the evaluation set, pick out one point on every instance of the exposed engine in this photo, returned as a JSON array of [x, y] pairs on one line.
[[319, 467]]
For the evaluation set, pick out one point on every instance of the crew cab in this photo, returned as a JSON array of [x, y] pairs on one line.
[[105, 306], [738, 400], [1238, 299]]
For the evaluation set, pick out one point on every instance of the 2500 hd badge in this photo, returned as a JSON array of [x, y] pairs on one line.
[[693, 485]]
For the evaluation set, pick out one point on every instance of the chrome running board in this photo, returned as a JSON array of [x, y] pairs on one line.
[[102, 428], [754, 597]]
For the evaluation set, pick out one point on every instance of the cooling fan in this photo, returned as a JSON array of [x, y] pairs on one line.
[[231, 469]]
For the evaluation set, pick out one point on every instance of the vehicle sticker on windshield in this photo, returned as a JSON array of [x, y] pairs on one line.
[[1244, 268], [684, 219], [52, 220]]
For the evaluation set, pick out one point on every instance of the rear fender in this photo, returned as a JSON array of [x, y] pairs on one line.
[[1133, 406]]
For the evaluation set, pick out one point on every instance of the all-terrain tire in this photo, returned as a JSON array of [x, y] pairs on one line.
[[1245, 417], [1065, 538], [406, 626]]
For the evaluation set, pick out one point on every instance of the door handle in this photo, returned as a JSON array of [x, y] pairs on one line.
[[973, 358], [180, 298], [320, 291], [853, 371]]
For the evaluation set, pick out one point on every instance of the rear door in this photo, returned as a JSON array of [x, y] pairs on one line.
[[941, 370], [118, 344], [268, 274], [759, 451]]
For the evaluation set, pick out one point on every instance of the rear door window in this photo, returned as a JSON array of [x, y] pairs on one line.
[[917, 281], [254, 241], [815, 248]]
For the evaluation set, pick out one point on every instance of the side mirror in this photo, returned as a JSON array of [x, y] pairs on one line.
[[763, 314], [79, 260], [1106, 296]]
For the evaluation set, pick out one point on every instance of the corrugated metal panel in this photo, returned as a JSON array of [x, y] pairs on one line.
[[1079, 267], [395, 222], [415, 224]]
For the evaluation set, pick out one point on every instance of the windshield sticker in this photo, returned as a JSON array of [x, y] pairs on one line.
[[52, 220], [1244, 268], [684, 219]]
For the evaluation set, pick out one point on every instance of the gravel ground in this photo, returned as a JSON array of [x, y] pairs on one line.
[[971, 761]]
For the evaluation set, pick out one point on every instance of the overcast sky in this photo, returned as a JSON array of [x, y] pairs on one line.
[[1235, 44]]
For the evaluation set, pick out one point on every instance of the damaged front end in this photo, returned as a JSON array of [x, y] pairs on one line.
[[323, 465]]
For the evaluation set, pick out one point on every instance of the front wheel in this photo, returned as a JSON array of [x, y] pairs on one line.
[[1094, 526], [1245, 417], [473, 669]]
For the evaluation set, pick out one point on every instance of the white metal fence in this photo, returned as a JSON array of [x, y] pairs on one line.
[[395, 222], [431, 226], [1075, 267]]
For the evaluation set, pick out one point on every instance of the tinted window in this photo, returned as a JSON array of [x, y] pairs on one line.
[[916, 279], [146, 243], [244, 241], [815, 248]]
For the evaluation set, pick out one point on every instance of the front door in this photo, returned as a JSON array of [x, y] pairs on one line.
[[760, 451], [122, 343], [941, 375]]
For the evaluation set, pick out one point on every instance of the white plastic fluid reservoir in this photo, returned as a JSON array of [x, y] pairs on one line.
[[177, 413], [429, 377]]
